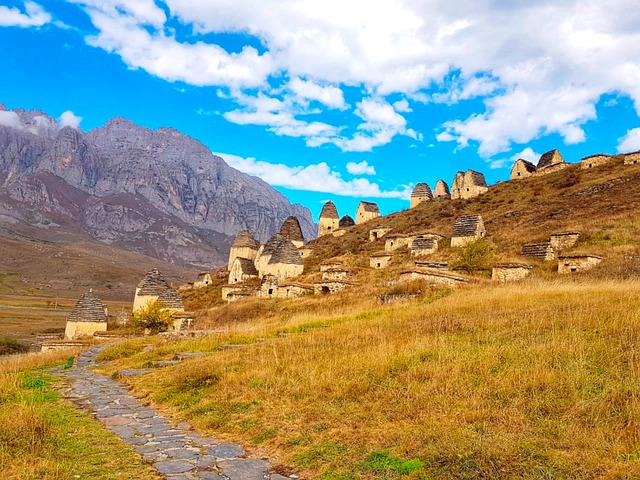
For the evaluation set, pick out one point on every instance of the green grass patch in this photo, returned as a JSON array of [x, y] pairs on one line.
[[382, 462]]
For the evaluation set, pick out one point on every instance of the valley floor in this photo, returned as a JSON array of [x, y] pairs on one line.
[[532, 380]]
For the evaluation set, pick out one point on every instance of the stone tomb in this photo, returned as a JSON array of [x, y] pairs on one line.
[[380, 260], [595, 160], [467, 229], [564, 240], [539, 251], [378, 232], [510, 272], [330, 286], [432, 277], [89, 315], [577, 263], [366, 211], [421, 246]]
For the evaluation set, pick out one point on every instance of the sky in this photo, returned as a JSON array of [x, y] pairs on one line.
[[341, 100]]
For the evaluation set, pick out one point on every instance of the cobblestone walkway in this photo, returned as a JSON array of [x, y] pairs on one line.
[[175, 452]]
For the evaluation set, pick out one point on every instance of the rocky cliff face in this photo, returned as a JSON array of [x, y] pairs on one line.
[[155, 191]]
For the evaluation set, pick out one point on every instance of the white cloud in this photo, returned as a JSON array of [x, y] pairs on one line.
[[329, 95], [69, 119], [10, 119], [33, 16], [315, 178], [402, 106], [526, 154], [630, 142], [362, 168], [530, 84]]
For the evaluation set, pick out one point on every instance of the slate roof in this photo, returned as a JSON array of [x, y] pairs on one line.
[[423, 244], [154, 284], [528, 166], [346, 221], [369, 207], [513, 265], [546, 159], [329, 210], [88, 308], [273, 243], [291, 229], [422, 190], [247, 266], [245, 239], [286, 253], [466, 226], [477, 178], [536, 250]]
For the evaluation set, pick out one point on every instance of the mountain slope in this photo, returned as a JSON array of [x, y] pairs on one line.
[[159, 192]]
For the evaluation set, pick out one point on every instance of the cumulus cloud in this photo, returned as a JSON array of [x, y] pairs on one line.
[[529, 83], [316, 178], [362, 168], [33, 16], [69, 119], [10, 119], [526, 154], [630, 142]]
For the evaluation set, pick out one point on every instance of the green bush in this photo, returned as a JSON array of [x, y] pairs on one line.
[[473, 257], [154, 317], [9, 345]]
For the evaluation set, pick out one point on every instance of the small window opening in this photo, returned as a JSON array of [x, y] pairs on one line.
[[271, 291]]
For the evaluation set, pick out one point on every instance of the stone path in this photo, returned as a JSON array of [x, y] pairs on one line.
[[176, 452]]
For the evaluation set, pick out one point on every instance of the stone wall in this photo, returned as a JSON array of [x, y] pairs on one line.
[[550, 169], [469, 184], [282, 270], [335, 274], [577, 263], [231, 293], [522, 169], [378, 232], [563, 241], [241, 252], [379, 261], [594, 161], [75, 330], [392, 243], [510, 272], [366, 211], [540, 251], [632, 158], [433, 278], [327, 287]]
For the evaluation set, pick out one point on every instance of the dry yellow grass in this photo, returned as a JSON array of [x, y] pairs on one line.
[[534, 380]]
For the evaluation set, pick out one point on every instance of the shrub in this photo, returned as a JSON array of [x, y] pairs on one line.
[[473, 257], [9, 345], [155, 317]]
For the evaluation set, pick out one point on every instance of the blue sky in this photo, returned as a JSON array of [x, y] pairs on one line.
[[342, 100]]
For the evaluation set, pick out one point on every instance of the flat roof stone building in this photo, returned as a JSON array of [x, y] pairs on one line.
[[510, 272], [366, 211], [564, 240], [378, 232], [380, 260], [245, 246], [421, 193], [326, 287], [467, 229], [468, 185], [441, 192], [433, 278], [89, 315], [522, 169], [577, 263], [291, 231], [329, 219]]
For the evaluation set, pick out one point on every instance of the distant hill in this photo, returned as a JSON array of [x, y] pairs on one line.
[[155, 192]]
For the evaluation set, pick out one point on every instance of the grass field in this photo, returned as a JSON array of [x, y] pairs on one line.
[[535, 380], [42, 437]]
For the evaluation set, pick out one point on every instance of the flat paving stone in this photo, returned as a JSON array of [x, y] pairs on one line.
[[131, 373], [177, 452]]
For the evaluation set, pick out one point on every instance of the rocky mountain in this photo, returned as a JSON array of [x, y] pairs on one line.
[[157, 192]]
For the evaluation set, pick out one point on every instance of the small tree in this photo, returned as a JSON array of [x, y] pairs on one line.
[[474, 256], [155, 317]]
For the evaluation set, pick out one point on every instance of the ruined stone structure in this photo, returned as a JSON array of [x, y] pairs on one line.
[[154, 288], [577, 263], [433, 278], [244, 246], [595, 160], [88, 316], [242, 270], [539, 251], [346, 222], [522, 169], [550, 162], [285, 262], [336, 274], [326, 287], [329, 219], [510, 272], [330, 266], [467, 229], [632, 158], [271, 287], [305, 252], [468, 185], [366, 211], [432, 265], [441, 192], [291, 231], [395, 241], [378, 232], [421, 193], [564, 240], [380, 260], [204, 279], [423, 246], [231, 293]]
